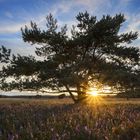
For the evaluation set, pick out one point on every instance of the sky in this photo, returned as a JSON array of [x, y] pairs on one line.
[[15, 14]]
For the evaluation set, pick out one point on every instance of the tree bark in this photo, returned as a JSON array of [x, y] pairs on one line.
[[72, 96]]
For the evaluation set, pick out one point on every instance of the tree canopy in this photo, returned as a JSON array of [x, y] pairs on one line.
[[4, 54], [94, 55]]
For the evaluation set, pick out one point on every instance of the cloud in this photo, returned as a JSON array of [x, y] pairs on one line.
[[24, 18], [18, 46], [92, 3], [133, 24], [66, 8], [13, 28], [8, 14]]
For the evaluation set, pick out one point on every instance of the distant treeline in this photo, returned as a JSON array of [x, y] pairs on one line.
[[61, 96], [129, 94]]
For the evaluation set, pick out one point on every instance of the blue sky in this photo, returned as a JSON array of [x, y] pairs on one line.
[[14, 14]]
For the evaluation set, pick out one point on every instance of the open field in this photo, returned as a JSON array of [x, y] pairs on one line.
[[55, 119]]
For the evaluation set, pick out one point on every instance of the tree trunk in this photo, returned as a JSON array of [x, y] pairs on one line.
[[72, 96], [79, 98]]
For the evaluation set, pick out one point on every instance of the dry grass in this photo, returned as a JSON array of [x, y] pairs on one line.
[[55, 119]]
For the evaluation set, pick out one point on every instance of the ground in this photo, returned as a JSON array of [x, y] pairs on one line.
[[60, 119]]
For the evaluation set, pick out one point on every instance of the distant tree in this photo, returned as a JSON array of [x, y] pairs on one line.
[[4, 54], [95, 54], [61, 96]]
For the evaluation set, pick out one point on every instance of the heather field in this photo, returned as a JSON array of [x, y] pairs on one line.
[[55, 119]]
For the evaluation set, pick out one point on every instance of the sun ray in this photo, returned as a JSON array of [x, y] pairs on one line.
[[94, 98]]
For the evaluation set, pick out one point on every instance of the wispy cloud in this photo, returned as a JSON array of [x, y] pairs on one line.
[[12, 25], [11, 28], [134, 23], [8, 14], [18, 46], [65, 11]]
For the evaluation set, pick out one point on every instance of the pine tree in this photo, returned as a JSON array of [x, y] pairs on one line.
[[4, 54], [95, 54]]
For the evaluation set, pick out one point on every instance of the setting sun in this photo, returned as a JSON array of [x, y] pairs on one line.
[[93, 92]]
